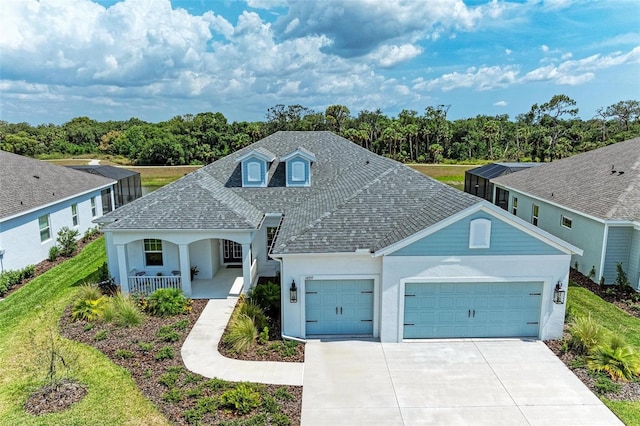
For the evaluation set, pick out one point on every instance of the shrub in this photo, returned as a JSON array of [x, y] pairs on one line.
[[270, 405], [167, 302], [10, 279], [169, 379], [263, 338], [592, 272], [168, 334], [283, 394], [280, 419], [207, 404], [193, 416], [100, 335], [604, 385], [54, 252], [616, 359], [124, 353], [216, 384], [67, 239], [145, 347], [586, 334], [242, 334], [124, 312], [180, 325], [253, 311], [191, 378], [173, 395], [621, 277], [243, 399], [88, 309], [166, 352], [90, 233], [267, 296]]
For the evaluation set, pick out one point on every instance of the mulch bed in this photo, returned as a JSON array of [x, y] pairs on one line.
[[146, 370], [55, 397]]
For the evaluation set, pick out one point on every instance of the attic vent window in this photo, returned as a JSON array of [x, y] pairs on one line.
[[480, 234]]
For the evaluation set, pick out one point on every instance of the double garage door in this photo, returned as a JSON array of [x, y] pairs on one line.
[[339, 307], [440, 310]]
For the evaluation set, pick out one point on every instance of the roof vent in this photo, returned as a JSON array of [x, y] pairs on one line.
[[620, 173], [36, 176], [613, 170]]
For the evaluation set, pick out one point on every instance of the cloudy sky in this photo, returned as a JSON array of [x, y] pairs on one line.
[[155, 59]]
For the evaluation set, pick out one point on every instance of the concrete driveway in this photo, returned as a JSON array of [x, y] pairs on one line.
[[470, 382]]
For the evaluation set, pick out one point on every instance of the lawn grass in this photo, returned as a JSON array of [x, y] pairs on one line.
[[28, 319], [582, 302], [161, 175], [452, 175]]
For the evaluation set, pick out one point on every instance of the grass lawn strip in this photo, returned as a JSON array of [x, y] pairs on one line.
[[583, 302], [28, 319]]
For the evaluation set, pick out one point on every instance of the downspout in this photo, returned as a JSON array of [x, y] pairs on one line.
[[605, 237]]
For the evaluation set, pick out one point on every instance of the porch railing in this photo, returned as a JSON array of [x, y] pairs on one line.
[[148, 284]]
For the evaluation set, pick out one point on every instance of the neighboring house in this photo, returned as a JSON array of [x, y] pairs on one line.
[[128, 185], [36, 200], [363, 245], [477, 181], [591, 200]]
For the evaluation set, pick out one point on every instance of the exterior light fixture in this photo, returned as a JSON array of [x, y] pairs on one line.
[[559, 294], [293, 293]]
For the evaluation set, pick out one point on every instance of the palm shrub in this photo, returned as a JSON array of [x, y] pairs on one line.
[[88, 309], [267, 296], [242, 333], [585, 334], [617, 359], [166, 302], [88, 291]]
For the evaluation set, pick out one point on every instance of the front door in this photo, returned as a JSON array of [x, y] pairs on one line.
[[231, 252]]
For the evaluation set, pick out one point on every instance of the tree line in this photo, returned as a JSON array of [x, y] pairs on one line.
[[546, 132]]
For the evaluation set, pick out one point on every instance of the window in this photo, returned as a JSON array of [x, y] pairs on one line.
[[298, 172], [45, 229], [480, 233], [153, 252], [566, 221], [271, 233], [534, 214], [514, 208], [254, 172], [94, 211], [74, 214]]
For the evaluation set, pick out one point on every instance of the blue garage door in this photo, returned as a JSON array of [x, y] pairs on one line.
[[339, 307], [440, 310]]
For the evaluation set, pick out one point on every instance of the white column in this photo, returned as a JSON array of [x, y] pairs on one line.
[[246, 267], [123, 271], [185, 269]]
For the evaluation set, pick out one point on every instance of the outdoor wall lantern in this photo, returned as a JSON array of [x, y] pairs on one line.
[[293, 293], [559, 294]]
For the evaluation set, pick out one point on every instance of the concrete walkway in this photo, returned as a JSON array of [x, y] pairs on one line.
[[200, 352], [483, 382]]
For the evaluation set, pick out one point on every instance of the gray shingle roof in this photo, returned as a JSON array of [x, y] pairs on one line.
[[604, 183], [493, 170], [26, 184], [357, 199]]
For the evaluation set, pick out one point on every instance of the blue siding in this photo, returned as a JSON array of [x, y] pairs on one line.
[[618, 248], [245, 172], [454, 241], [307, 171]]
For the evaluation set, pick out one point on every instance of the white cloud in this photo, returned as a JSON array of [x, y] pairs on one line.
[[501, 104], [483, 78], [266, 4], [566, 56], [544, 48], [388, 56], [508, 51]]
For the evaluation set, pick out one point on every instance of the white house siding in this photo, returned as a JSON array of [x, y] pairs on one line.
[[20, 236], [585, 233], [325, 267], [397, 270]]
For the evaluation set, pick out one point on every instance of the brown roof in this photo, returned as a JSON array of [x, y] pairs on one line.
[[26, 184], [604, 183]]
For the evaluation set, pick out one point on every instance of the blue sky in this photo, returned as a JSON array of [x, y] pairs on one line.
[[155, 59]]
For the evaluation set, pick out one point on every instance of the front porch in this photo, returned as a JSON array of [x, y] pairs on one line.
[[228, 281]]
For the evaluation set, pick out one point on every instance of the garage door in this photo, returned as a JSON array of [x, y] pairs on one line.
[[438, 310], [339, 307]]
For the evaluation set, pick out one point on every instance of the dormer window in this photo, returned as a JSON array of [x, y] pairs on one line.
[[255, 167], [298, 167]]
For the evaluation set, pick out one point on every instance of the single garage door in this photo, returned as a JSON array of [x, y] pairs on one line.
[[339, 307], [440, 310]]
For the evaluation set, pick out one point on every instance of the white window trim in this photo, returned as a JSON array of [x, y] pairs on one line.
[[480, 233], [48, 228], [145, 251], [562, 218], [535, 217], [254, 172], [514, 206], [298, 171], [94, 208], [75, 218]]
